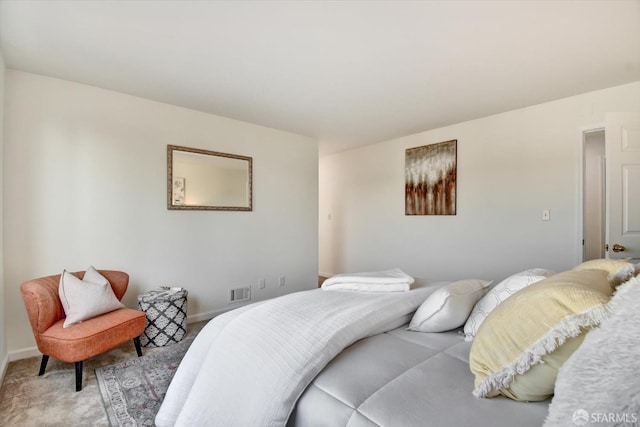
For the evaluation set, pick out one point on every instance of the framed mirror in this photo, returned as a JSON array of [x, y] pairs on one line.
[[208, 180]]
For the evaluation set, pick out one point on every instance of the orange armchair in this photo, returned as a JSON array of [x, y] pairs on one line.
[[83, 340]]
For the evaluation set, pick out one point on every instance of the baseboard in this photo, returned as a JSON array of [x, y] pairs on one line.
[[24, 353], [3, 367], [200, 317]]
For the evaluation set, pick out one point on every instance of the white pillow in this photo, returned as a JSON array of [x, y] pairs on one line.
[[498, 294], [92, 275], [448, 307], [84, 299]]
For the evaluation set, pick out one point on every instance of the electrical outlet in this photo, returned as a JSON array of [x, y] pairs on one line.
[[262, 283], [281, 280], [545, 215]]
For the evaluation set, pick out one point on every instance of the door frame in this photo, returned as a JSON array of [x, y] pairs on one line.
[[582, 131]]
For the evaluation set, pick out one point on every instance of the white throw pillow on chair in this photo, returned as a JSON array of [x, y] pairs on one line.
[[86, 298]]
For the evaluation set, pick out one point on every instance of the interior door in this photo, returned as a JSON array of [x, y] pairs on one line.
[[622, 133]]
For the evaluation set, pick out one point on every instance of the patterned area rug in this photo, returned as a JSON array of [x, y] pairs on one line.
[[133, 390]]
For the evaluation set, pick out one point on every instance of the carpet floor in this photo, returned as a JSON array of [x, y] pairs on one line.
[[51, 400]]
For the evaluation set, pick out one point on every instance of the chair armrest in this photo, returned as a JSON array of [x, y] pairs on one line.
[[119, 281], [42, 302]]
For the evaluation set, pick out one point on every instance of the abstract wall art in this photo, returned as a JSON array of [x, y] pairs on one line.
[[430, 179]]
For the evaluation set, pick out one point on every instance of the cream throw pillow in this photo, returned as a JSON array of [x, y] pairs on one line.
[[532, 324], [86, 298], [620, 270], [448, 307], [498, 294], [602, 375]]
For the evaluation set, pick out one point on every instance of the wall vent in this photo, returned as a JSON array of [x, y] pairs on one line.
[[240, 294]]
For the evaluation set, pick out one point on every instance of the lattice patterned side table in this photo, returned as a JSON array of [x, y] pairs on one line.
[[166, 311]]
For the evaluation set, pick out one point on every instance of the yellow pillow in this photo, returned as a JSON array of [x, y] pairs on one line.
[[620, 270], [539, 381], [533, 324]]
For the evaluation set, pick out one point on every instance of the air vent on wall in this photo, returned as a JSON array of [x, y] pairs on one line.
[[240, 294]]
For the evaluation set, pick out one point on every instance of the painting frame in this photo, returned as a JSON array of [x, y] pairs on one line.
[[431, 179]]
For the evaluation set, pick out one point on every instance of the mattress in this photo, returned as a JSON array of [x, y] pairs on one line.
[[404, 378]]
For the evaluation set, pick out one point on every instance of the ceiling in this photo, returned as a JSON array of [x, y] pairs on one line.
[[348, 73]]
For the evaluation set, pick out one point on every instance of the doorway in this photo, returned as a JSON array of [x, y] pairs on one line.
[[593, 197]]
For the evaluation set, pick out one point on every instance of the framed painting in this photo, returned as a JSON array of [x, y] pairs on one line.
[[430, 179], [178, 191]]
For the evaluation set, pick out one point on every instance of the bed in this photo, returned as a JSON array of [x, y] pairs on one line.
[[386, 358], [405, 378]]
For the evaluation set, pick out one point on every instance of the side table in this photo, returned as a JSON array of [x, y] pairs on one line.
[[166, 311]]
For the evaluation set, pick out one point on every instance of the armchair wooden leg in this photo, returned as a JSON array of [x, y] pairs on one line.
[[43, 364], [78, 376], [136, 342]]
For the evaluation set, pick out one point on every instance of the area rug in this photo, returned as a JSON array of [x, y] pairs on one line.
[[133, 390]]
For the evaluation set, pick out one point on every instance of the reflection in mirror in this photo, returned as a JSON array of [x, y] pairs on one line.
[[208, 180]]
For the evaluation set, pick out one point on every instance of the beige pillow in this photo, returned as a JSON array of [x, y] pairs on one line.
[[536, 323], [539, 381], [619, 270], [448, 307], [84, 299]]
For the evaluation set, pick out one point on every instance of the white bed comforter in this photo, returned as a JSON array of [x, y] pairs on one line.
[[248, 367]]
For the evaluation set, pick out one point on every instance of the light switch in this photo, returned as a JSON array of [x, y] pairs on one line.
[[546, 215]]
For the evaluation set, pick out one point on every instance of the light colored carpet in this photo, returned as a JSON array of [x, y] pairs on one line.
[[51, 400]]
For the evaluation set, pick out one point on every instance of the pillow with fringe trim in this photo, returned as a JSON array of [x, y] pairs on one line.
[[538, 327], [620, 270], [602, 375]]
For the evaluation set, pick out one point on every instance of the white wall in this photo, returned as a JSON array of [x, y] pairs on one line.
[[510, 167], [85, 183], [3, 316]]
